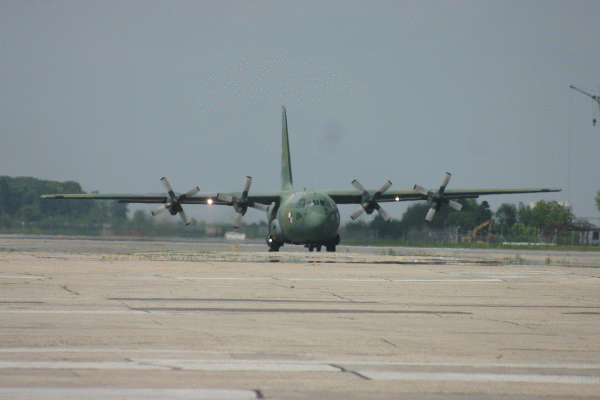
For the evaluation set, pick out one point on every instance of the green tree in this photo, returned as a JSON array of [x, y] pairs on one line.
[[7, 201], [117, 211], [543, 213], [29, 213], [506, 216], [391, 229], [140, 218], [414, 217], [598, 200], [471, 215], [520, 232], [466, 219]]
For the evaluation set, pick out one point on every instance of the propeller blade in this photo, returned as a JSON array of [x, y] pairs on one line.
[[421, 190], [430, 214], [370, 200], [192, 192], [167, 186], [174, 206], [259, 206], [238, 220], [358, 186], [357, 213], [160, 209], [247, 183], [445, 182], [437, 199], [225, 197], [455, 205], [184, 217], [385, 187], [384, 214], [241, 205]]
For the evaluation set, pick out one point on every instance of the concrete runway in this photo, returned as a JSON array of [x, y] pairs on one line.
[[139, 319]]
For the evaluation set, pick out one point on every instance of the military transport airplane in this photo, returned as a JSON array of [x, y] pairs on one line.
[[311, 217]]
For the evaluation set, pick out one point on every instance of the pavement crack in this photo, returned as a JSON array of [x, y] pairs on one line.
[[388, 342], [340, 297], [70, 290], [348, 371]]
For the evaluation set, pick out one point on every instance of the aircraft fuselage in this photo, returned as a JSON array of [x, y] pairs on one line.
[[310, 218]]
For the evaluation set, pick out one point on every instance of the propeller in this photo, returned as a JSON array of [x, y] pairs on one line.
[[369, 201], [437, 199], [241, 204], [174, 206]]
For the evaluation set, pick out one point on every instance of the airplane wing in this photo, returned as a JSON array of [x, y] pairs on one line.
[[355, 196], [369, 199], [200, 198], [173, 201], [266, 197]]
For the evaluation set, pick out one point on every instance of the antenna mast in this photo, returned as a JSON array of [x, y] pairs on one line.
[[595, 98]]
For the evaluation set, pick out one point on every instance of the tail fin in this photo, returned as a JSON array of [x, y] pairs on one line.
[[286, 165]]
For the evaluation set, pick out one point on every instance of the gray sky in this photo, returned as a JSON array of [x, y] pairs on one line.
[[116, 95]]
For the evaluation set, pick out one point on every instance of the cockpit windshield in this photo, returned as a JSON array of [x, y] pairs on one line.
[[307, 203]]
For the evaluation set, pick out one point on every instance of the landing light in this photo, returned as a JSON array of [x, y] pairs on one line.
[[397, 198], [209, 201]]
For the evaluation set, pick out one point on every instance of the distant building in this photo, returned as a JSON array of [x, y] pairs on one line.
[[595, 240], [235, 236]]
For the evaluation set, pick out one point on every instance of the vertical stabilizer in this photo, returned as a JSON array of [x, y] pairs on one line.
[[286, 166]]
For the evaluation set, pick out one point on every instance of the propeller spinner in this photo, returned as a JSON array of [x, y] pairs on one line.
[[241, 205], [369, 201], [174, 206], [437, 199]]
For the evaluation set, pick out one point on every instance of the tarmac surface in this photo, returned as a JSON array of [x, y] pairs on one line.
[[116, 318]]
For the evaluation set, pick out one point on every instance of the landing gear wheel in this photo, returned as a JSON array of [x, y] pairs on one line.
[[273, 245], [330, 244]]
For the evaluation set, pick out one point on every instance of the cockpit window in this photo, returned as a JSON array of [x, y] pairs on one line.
[[307, 203], [314, 203]]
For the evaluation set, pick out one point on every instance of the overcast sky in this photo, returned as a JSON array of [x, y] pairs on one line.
[[116, 95]]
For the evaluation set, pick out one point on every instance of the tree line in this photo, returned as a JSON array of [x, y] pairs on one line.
[[22, 210]]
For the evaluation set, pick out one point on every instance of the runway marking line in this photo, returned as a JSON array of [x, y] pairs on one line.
[[447, 364], [389, 280], [133, 394], [480, 377], [267, 365]]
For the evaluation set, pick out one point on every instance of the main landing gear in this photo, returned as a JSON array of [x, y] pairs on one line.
[[329, 245], [312, 246]]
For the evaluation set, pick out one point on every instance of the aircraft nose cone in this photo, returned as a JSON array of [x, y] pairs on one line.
[[314, 220], [321, 226]]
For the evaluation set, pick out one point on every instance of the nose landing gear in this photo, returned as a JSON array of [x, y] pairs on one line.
[[273, 245]]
